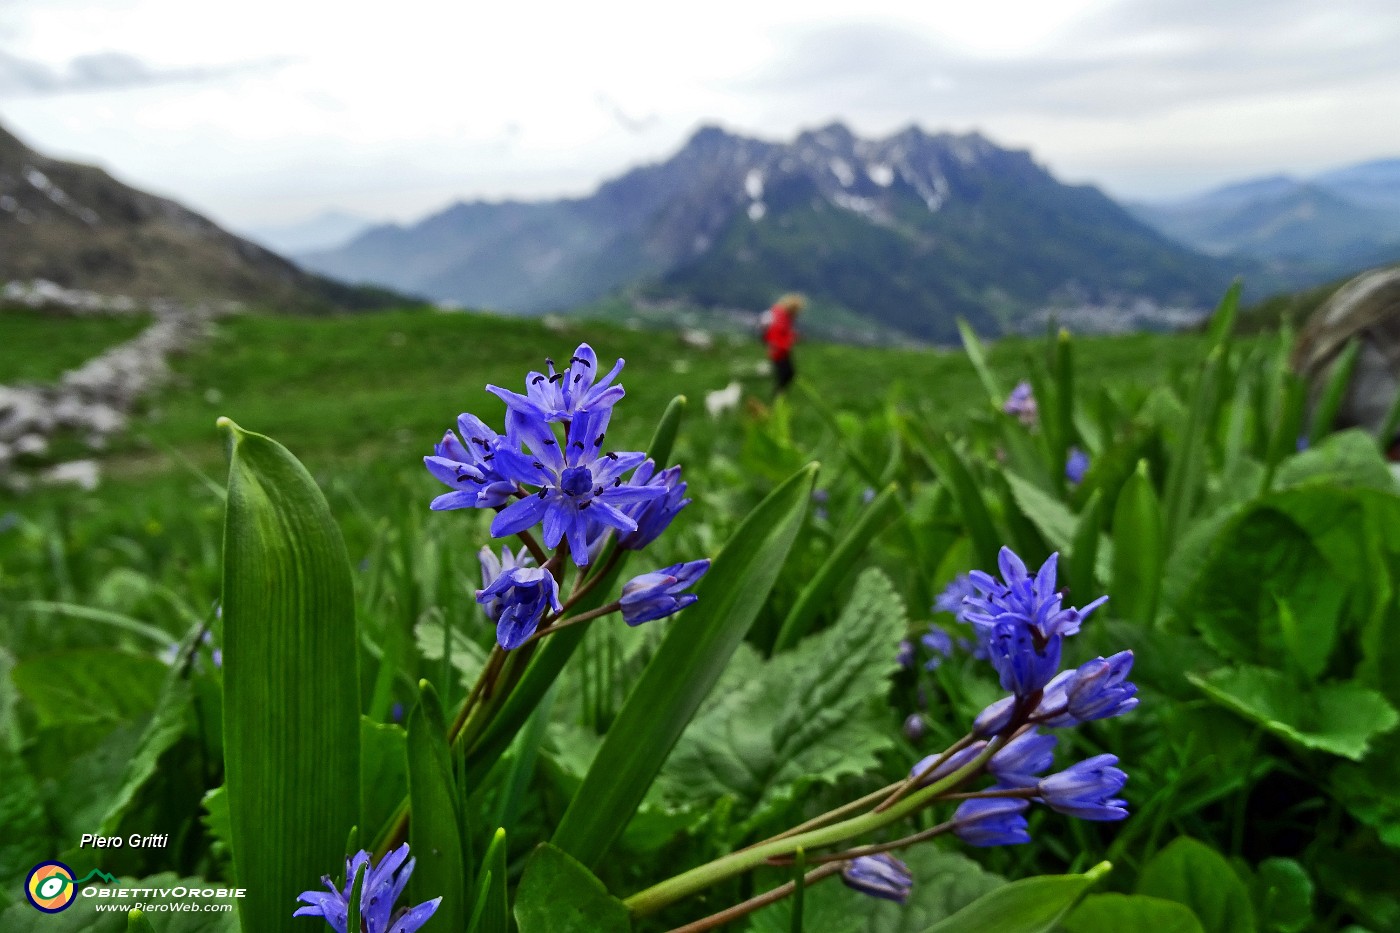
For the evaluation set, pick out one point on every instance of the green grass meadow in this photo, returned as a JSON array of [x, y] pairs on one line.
[[1257, 583]]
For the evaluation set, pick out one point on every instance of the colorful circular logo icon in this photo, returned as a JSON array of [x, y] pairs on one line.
[[50, 887]]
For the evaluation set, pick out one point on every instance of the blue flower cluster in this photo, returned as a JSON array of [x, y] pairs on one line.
[[552, 468], [383, 885], [1021, 622]]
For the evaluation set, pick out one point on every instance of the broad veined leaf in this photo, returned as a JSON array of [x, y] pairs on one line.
[[810, 715], [1031, 905], [1346, 459], [690, 660], [1099, 913], [90, 685], [291, 681], [559, 895], [1339, 717], [1194, 874], [944, 883], [1059, 526]]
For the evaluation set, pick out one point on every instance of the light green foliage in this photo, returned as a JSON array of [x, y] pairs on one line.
[[944, 883], [1031, 905], [1340, 718], [809, 716], [1194, 874], [559, 895], [1110, 913]]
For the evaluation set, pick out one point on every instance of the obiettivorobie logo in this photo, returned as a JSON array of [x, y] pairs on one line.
[[51, 886]]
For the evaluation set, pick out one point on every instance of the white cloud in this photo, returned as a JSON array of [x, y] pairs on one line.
[[396, 111]]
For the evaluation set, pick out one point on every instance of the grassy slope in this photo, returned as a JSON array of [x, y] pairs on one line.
[[37, 347]]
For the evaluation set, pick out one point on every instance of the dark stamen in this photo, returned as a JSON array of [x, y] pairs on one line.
[[610, 455], [578, 444], [537, 380], [542, 493], [551, 443], [585, 504], [557, 377], [618, 481], [598, 441]]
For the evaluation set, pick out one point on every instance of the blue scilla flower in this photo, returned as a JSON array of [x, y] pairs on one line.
[[1021, 404], [939, 644], [524, 594], [1100, 689], [383, 885], [576, 489], [491, 569], [1024, 662], [1086, 789], [1017, 763], [467, 464], [992, 821], [560, 396], [1076, 465], [881, 875], [953, 763], [904, 656], [658, 594], [914, 727], [951, 599], [995, 718], [1030, 600], [654, 515]]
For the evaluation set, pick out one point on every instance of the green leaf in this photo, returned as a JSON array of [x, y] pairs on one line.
[[1283, 895], [1140, 556], [1106, 913], [1347, 459], [1222, 321], [437, 832], [291, 682], [383, 771], [816, 595], [1089, 547], [468, 658], [166, 726], [953, 470], [978, 357], [136, 922], [1367, 789], [1335, 391], [1194, 874], [1031, 905], [944, 883], [493, 904], [809, 716], [689, 662], [1189, 457], [1264, 560], [559, 895], [355, 914], [1338, 718], [1058, 525], [90, 685]]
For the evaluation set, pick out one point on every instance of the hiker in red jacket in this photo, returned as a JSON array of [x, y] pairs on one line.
[[780, 333]]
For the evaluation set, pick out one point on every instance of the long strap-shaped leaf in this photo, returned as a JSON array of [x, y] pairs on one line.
[[291, 688], [817, 593], [685, 668]]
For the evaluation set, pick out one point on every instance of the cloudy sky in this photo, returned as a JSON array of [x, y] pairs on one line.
[[264, 112]]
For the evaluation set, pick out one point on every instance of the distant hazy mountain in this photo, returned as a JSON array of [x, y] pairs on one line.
[[1329, 224], [77, 226], [908, 231], [329, 230]]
